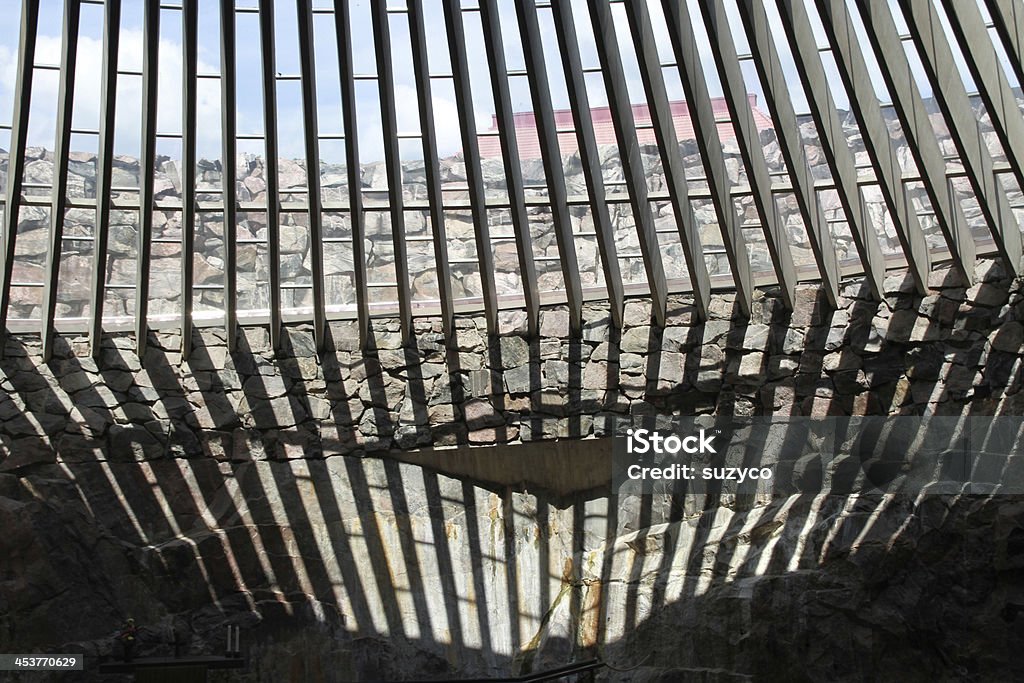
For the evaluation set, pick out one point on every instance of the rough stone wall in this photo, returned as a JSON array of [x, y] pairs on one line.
[[905, 355], [296, 248], [235, 488]]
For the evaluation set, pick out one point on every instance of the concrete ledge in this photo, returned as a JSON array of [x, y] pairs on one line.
[[561, 467]]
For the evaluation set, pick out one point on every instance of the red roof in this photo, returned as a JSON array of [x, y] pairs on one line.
[[529, 145]]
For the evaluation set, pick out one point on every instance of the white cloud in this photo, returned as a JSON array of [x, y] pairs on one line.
[[45, 91], [128, 118]]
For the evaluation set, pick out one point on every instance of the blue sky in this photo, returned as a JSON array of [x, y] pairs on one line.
[[249, 84], [290, 121]]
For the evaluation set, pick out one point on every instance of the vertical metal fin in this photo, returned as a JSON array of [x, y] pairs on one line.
[[229, 167], [428, 136], [787, 130], [993, 87], [471, 153], [551, 157], [150, 75], [1008, 20], [510, 156], [951, 94], [629, 152], [392, 160], [189, 44], [58, 202], [565, 29], [16, 158], [108, 105], [917, 127], [857, 80], [343, 29], [311, 133], [839, 156], [729, 72], [672, 166], [269, 73], [695, 88]]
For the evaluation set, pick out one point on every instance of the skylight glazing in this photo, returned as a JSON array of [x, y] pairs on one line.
[[490, 155]]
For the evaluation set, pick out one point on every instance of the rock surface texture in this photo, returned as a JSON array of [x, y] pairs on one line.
[[296, 248], [279, 493]]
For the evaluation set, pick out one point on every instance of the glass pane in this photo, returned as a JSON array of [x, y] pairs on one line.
[[545, 250], [74, 280]]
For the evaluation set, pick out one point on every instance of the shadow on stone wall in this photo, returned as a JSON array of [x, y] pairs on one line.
[[237, 489]]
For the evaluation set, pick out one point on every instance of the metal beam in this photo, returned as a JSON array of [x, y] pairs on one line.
[[951, 95], [686, 49], [1008, 20], [269, 77], [108, 105], [147, 162], [551, 157], [993, 87], [590, 158], [629, 152], [190, 48], [672, 166], [838, 154], [498, 70], [471, 153], [428, 136], [343, 31], [859, 85], [917, 127], [16, 158], [61, 149], [312, 143], [833, 145], [392, 160], [229, 166], [731, 75]]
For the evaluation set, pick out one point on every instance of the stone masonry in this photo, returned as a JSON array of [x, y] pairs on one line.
[[296, 246], [266, 491], [907, 355]]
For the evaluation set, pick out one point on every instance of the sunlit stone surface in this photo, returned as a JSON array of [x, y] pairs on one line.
[[269, 492], [295, 245]]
